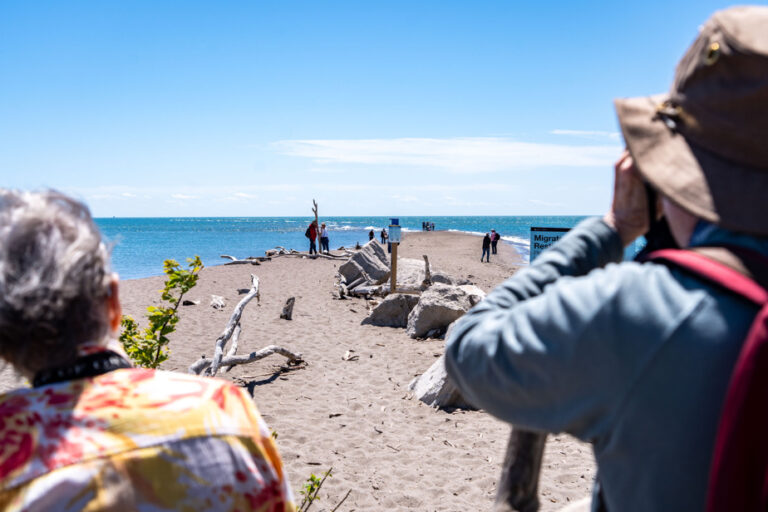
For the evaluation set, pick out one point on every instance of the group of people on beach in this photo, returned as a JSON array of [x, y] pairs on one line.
[[427, 226], [490, 241], [660, 363], [312, 233]]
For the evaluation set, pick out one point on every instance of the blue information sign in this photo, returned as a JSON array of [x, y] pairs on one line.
[[541, 238], [394, 234]]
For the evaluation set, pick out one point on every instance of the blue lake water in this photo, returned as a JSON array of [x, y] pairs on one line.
[[140, 245]]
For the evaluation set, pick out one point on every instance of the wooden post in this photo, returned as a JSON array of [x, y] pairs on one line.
[[393, 272]]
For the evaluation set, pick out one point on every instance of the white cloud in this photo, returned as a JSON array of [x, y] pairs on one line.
[[465, 155], [183, 196], [588, 134], [244, 195], [128, 194]]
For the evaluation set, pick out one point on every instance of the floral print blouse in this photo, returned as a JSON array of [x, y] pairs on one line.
[[136, 439]]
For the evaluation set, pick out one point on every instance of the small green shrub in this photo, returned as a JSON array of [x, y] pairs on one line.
[[311, 488], [148, 348]]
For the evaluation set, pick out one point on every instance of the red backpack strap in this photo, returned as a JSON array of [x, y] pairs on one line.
[[738, 478], [718, 272]]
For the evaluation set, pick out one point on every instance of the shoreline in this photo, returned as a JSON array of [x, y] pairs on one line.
[[357, 416], [519, 259]]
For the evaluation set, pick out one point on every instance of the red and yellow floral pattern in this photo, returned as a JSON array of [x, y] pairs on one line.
[[136, 439]]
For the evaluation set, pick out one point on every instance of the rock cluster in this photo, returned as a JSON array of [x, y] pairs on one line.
[[368, 266], [439, 306], [436, 389], [393, 311]]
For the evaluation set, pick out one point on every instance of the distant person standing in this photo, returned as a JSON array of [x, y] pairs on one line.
[[324, 239], [384, 236], [311, 233], [494, 240], [371, 235], [432, 227], [486, 248]]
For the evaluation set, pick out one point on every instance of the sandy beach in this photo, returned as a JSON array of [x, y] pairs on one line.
[[357, 416]]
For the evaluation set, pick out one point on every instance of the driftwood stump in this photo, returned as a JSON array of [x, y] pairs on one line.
[[519, 482], [427, 274], [287, 313]]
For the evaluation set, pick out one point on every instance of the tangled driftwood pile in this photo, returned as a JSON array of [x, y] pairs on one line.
[[232, 332]]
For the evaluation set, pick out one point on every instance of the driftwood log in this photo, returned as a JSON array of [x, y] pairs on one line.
[[519, 482], [203, 363], [235, 261], [287, 313], [297, 254]]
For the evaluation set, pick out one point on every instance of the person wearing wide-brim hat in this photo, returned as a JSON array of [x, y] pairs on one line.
[[636, 357]]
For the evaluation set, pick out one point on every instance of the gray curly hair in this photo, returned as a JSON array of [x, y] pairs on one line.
[[54, 279]]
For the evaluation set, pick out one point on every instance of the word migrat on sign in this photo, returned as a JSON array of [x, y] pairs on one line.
[[542, 238]]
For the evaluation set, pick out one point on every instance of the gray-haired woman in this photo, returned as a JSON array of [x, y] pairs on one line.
[[94, 432]]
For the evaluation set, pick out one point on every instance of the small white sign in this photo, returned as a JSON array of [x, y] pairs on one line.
[[394, 234], [541, 238]]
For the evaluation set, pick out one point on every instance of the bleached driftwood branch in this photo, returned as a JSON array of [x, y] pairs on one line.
[[305, 255], [236, 261], [232, 331], [235, 340], [234, 320], [202, 364], [342, 286]]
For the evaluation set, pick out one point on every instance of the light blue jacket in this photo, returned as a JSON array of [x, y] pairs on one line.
[[634, 358]]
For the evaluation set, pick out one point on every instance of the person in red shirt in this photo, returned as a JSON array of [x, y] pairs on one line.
[[312, 234]]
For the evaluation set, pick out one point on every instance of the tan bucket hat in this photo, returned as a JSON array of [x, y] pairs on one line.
[[705, 143]]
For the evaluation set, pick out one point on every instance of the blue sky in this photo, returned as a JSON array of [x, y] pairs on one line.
[[373, 108]]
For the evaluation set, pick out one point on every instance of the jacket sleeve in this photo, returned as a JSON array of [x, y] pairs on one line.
[[537, 350]]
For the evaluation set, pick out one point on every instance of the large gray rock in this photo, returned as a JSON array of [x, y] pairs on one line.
[[443, 278], [411, 274], [436, 389], [372, 260], [439, 306], [392, 311]]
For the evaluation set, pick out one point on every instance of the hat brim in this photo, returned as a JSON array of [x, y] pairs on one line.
[[711, 187]]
